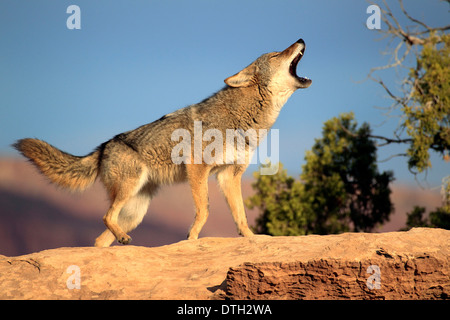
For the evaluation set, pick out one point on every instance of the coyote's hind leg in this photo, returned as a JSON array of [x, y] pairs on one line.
[[123, 180]]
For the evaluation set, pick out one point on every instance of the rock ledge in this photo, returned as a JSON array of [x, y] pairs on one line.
[[396, 265]]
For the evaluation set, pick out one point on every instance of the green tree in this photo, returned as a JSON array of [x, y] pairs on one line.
[[340, 188], [278, 199], [423, 100], [424, 96], [439, 218], [427, 116], [415, 218]]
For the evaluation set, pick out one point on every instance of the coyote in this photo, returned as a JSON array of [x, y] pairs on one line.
[[133, 164]]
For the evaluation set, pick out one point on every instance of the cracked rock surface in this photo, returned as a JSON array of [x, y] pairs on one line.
[[395, 265]]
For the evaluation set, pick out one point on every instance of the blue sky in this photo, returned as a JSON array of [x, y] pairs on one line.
[[134, 61]]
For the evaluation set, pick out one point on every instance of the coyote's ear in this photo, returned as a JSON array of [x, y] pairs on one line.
[[243, 78]]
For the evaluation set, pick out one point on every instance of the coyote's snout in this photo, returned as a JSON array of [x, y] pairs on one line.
[[134, 164]]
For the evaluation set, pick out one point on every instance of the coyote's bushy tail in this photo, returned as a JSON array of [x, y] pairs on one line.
[[66, 170]]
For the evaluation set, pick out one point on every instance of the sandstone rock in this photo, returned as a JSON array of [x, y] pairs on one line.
[[408, 265]]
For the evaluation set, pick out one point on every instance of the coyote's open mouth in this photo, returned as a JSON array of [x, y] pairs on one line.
[[304, 81]]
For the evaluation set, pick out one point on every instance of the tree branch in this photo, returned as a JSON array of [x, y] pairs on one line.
[[393, 156], [389, 140], [411, 18]]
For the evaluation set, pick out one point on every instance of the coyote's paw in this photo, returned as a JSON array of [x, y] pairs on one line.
[[125, 239]]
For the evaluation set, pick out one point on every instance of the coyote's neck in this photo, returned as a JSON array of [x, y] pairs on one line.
[[256, 106], [274, 100], [278, 101]]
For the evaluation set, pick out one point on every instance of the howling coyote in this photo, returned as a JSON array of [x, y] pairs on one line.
[[133, 164]]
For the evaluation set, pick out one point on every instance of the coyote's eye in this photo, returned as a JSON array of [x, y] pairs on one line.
[[274, 55]]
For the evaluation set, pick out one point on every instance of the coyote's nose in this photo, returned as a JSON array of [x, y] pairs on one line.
[[302, 43]]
